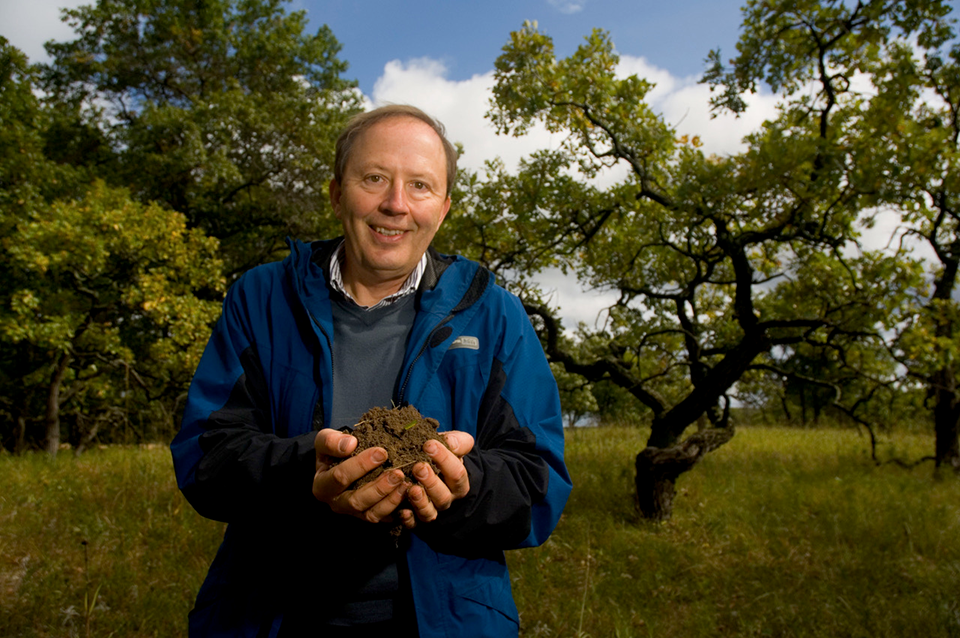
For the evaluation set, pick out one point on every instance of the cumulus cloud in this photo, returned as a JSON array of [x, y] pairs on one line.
[[460, 105], [684, 104]]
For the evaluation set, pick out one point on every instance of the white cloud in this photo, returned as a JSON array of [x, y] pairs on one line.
[[461, 106], [575, 304], [28, 24], [567, 6], [685, 105]]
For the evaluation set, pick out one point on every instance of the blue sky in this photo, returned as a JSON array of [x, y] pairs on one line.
[[467, 35]]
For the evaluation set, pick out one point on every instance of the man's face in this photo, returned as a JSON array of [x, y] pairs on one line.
[[391, 200]]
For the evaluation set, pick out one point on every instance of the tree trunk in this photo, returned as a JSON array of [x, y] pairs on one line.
[[52, 417], [655, 489], [946, 423], [20, 443], [658, 469], [946, 412]]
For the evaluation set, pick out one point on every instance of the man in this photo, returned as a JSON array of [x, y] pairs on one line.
[[303, 348]]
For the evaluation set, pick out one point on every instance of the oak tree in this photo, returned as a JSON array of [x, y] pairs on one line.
[[905, 57], [720, 264], [106, 310]]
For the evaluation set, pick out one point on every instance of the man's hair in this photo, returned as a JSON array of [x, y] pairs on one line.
[[361, 122]]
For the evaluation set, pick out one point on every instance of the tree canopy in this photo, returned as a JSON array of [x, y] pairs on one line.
[[226, 111], [722, 266], [168, 147]]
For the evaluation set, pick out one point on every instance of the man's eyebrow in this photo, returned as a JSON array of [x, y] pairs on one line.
[[421, 175]]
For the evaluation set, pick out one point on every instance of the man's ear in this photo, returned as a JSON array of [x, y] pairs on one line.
[[335, 197], [443, 214]]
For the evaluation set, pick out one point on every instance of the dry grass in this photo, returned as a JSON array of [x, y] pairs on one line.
[[779, 533], [96, 546]]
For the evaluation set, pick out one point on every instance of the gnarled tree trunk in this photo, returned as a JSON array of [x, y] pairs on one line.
[[658, 469]]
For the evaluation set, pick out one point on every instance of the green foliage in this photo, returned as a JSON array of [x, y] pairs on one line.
[[21, 145], [776, 47], [225, 111], [110, 293], [898, 66], [721, 265]]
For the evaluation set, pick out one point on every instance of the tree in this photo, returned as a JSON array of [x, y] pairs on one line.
[[911, 127], [223, 110], [105, 304], [28, 179], [922, 136], [719, 262]]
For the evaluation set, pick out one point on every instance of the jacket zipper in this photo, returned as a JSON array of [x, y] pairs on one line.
[[423, 348], [330, 350]]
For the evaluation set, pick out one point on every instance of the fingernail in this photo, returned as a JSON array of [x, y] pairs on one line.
[[431, 447], [421, 472], [344, 442], [379, 456], [395, 478]]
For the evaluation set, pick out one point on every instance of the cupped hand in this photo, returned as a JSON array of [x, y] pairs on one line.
[[375, 501], [434, 494]]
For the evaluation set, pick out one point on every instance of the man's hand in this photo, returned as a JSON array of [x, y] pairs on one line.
[[373, 502], [434, 495]]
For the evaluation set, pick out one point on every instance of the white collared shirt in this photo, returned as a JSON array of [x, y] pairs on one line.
[[409, 286]]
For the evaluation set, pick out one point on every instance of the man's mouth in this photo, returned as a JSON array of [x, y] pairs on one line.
[[389, 232]]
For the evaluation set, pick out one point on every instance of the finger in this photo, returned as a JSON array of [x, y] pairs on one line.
[[331, 443], [424, 508], [330, 483], [451, 467], [460, 443], [407, 518], [436, 491], [376, 500]]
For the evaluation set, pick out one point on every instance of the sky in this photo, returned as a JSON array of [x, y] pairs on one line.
[[439, 55]]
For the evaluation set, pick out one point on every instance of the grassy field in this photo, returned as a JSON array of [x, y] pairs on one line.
[[779, 533]]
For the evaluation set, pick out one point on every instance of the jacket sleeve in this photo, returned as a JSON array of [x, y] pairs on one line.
[[230, 464], [519, 483]]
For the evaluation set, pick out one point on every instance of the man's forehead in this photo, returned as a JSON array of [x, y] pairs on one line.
[[381, 127], [376, 154]]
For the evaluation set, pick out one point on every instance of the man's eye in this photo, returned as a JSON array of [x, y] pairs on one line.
[[375, 179], [420, 185]]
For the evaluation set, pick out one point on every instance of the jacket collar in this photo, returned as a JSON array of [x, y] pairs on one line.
[[315, 256]]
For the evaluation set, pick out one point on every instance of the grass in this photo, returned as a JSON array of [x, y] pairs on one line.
[[779, 533], [98, 546]]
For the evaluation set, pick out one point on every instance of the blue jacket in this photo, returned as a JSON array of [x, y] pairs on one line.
[[244, 454]]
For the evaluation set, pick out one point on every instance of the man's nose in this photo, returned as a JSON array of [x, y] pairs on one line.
[[395, 199]]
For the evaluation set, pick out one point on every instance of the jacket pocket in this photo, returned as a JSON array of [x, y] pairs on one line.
[[483, 601]]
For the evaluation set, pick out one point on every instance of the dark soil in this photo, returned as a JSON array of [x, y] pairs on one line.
[[402, 433]]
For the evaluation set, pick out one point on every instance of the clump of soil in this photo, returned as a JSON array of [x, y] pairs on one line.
[[402, 433]]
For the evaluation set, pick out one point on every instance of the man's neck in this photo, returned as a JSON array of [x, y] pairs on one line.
[[370, 293]]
